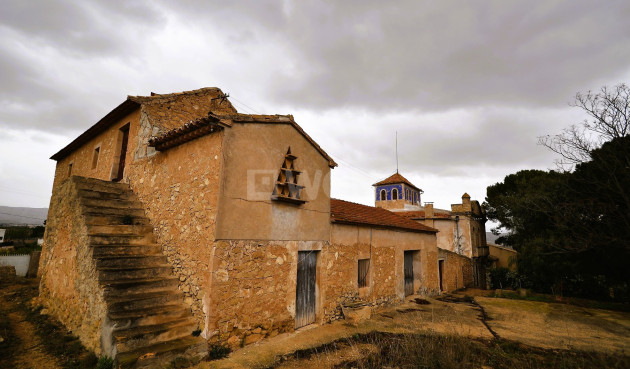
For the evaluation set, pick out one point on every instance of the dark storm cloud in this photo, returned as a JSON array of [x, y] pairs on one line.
[[81, 28], [40, 43], [435, 55]]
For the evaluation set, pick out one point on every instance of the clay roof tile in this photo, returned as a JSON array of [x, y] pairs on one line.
[[345, 212], [396, 178]]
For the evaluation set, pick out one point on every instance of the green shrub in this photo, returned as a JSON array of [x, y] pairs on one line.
[[218, 351], [105, 362]]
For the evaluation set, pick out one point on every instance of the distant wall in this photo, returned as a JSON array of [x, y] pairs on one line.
[[457, 271], [503, 257], [20, 262]]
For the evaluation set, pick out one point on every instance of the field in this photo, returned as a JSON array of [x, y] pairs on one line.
[[467, 330]]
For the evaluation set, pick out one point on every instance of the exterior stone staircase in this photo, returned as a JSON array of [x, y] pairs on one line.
[[150, 324]]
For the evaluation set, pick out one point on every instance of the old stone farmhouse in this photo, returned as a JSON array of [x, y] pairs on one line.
[[175, 220], [461, 240]]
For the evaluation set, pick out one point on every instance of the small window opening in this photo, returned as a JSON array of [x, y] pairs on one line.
[[70, 169], [364, 267], [95, 157], [383, 195], [395, 194]]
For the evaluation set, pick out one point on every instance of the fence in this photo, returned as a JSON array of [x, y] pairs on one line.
[[20, 262]]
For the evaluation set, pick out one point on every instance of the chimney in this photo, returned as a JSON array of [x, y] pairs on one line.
[[465, 198], [428, 210]]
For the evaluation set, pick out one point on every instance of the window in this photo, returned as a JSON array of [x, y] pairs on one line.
[[364, 267], [70, 169], [395, 194], [383, 195], [97, 151]]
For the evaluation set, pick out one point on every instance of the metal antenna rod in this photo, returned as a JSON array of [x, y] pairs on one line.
[[396, 151]]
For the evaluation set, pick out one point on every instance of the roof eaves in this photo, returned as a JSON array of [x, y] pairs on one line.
[[118, 112], [383, 226], [187, 132], [279, 119]]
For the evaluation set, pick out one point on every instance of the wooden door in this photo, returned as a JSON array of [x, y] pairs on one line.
[[123, 152], [440, 271], [408, 273], [305, 295]]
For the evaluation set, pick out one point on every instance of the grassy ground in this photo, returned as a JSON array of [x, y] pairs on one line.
[[453, 332], [540, 297], [382, 350]]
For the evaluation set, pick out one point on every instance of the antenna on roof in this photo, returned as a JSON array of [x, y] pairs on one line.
[[221, 97], [396, 151]]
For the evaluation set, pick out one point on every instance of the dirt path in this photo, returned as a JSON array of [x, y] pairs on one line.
[[536, 324], [439, 317], [558, 326], [29, 352]]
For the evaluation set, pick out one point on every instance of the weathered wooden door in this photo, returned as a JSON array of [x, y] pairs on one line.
[[440, 275], [305, 295], [408, 273], [123, 152]]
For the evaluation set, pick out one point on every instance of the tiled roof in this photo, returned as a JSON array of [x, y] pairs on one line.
[[345, 212], [396, 178], [185, 133], [421, 214]]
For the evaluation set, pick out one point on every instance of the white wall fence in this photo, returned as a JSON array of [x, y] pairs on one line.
[[20, 262]]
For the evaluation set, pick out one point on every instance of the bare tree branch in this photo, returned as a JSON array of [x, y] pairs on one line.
[[609, 110]]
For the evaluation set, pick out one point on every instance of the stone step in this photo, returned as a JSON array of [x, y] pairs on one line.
[[120, 229], [120, 274], [149, 316], [147, 300], [111, 203], [121, 250], [101, 186], [134, 338], [152, 324], [142, 295], [103, 210], [155, 356], [134, 261], [114, 219], [117, 289], [104, 195], [121, 239]]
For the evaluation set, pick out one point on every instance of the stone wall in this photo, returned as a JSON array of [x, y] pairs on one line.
[[7, 272], [69, 286], [385, 249], [252, 290], [82, 158], [179, 190], [503, 257], [457, 271]]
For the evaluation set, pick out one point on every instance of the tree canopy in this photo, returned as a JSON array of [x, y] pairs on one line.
[[572, 228]]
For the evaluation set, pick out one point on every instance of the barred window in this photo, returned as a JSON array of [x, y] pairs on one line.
[[364, 266]]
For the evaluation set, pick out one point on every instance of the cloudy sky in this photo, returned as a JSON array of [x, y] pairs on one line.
[[468, 85]]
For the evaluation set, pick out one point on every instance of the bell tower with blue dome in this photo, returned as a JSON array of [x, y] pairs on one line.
[[396, 192]]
